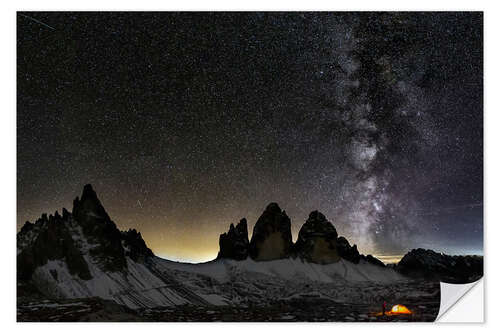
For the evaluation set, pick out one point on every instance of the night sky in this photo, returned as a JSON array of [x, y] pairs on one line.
[[186, 122]]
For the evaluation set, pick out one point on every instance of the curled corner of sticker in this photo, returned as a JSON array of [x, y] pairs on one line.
[[461, 302]]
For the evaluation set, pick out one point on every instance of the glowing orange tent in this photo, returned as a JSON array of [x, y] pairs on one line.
[[400, 309]]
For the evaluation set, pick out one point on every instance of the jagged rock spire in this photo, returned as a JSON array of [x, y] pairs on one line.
[[89, 205], [65, 213], [347, 251], [234, 243], [272, 235], [53, 239], [317, 240], [134, 245]]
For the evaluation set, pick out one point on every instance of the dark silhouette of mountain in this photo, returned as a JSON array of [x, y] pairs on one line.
[[234, 244], [272, 235], [56, 237], [51, 240], [430, 265], [317, 241], [347, 251]]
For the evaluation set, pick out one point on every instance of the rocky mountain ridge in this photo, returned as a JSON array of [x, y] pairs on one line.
[[59, 237], [82, 254], [430, 265], [317, 242]]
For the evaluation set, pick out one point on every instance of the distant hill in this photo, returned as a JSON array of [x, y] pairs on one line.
[[427, 264]]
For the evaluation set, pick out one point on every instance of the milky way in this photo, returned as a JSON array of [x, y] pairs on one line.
[[186, 122]]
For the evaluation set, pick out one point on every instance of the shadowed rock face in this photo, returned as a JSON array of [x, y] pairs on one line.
[[317, 240], [99, 230], [52, 242], [421, 263], [88, 208], [58, 238], [346, 251], [272, 235], [234, 244], [134, 245]]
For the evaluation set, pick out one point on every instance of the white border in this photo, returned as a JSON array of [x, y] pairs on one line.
[[8, 166]]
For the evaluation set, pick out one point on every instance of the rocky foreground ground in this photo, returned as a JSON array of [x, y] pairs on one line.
[[424, 304]]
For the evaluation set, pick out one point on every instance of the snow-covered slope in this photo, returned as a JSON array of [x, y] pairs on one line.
[[82, 254], [134, 286], [288, 269], [249, 281], [159, 282]]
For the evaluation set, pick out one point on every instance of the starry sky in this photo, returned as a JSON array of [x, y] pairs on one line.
[[187, 122]]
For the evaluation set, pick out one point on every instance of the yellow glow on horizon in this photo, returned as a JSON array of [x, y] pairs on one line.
[[184, 246], [389, 259]]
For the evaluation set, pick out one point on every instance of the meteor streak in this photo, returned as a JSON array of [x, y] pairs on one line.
[[37, 21]]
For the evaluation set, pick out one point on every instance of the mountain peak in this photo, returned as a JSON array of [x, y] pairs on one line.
[[234, 243], [88, 192], [273, 207], [347, 251], [272, 235], [64, 237], [317, 240], [89, 205], [316, 215]]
